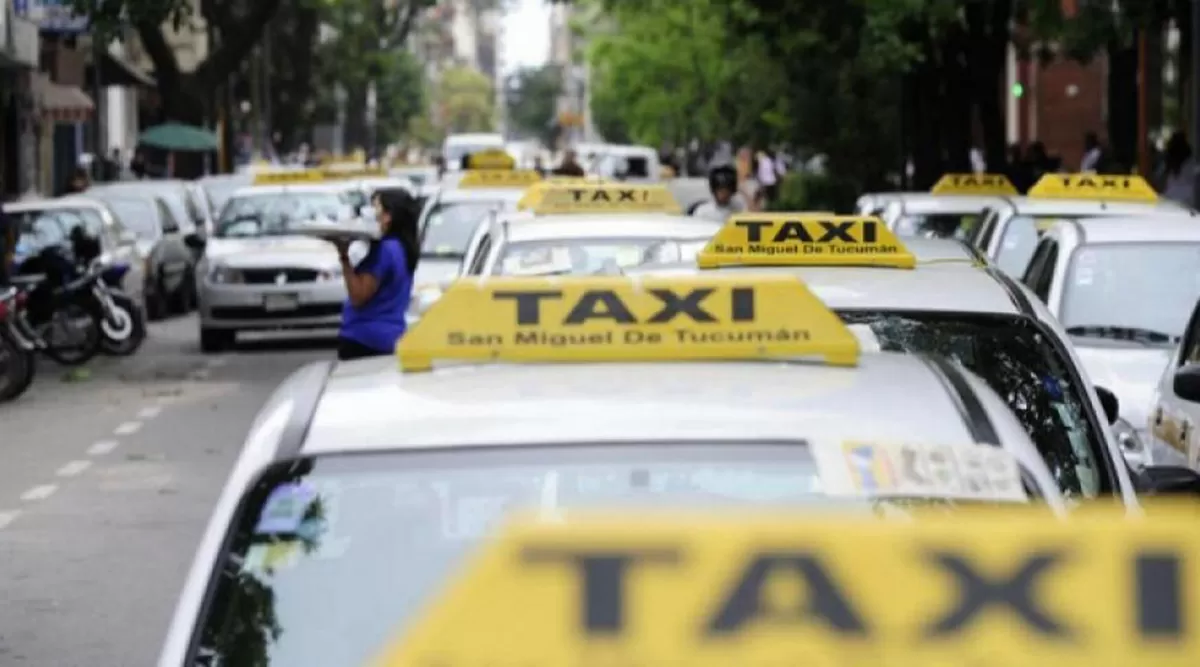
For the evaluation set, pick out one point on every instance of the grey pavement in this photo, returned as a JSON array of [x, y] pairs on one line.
[[106, 484]]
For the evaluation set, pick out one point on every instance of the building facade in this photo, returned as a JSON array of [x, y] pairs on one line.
[[19, 51]]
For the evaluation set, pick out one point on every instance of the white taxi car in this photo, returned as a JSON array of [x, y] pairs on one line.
[[928, 296], [1175, 413], [451, 216], [255, 275], [1009, 233], [361, 486], [1123, 289], [951, 209]]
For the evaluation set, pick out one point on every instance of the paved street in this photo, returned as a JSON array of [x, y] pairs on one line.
[[106, 484]]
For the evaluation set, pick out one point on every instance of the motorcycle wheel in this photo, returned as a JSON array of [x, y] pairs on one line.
[[124, 340], [17, 368], [79, 352]]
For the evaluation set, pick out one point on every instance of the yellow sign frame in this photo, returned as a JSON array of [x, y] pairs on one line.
[[980, 185], [1100, 187], [499, 178], [805, 239], [559, 198]]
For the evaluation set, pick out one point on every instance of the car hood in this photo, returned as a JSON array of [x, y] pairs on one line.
[[1131, 374], [436, 270], [272, 252]]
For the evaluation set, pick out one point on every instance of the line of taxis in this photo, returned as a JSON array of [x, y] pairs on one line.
[[614, 435]]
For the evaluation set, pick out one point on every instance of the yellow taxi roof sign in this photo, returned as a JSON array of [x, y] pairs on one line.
[[491, 159], [534, 192], [805, 239], [995, 586], [285, 177], [1093, 186], [616, 319], [499, 178], [559, 198], [974, 184]]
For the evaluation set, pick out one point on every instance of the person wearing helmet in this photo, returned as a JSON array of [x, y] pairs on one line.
[[722, 182]]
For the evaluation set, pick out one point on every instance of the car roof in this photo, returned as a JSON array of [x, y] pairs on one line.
[[371, 405], [1084, 207], [504, 195], [298, 188], [58, 203], [1134, 230], [649, 225], [953, 287], [931, 203]]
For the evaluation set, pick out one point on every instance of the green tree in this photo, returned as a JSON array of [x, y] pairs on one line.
[[463, 101], [532, 95]]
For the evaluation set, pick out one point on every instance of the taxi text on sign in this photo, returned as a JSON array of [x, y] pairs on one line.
[[597, 319], [558, 198], [499, 178], [805, 239], [974, 184], [1093, 186], [990, 588]]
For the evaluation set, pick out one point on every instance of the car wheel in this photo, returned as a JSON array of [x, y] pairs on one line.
[[216, 340]]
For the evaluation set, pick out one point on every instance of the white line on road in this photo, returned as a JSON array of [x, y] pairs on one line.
[[73, 468], [8, 517], [128, 428], [217, 362], [149, 412], [39, 492], [198, 374], [101, 448]]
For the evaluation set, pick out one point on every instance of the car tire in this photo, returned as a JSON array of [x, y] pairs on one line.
[[216, 340], [155, 308]]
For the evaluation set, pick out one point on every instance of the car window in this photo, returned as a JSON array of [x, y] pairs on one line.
[[449, 227], [1017, 243], [257, 214], [140, 216], [937, 226], [981, 235], [1144, 291], [571, 256], [1017, 361], [1039, 277], [1190, 354], [335, 557]]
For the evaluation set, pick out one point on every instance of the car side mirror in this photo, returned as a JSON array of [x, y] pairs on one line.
[[1186, 383], [1112, 407], [194, 241], [1170, 480]]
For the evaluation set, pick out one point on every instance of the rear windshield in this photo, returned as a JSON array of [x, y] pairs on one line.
[[449, 227], [1023, 367], [333, 557]]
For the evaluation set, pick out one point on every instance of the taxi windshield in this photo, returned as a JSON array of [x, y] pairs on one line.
[[572, 256], [267, 214], [937, 226], [1020, 239], [336, 555], [1023, 367], [139, 216], [1141, 292], [672, 251], [449, 227]]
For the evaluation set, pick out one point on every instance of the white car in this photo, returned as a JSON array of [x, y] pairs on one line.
[[449, 220], [951, 208], [362, 485], [1123, 289], [951, 303]]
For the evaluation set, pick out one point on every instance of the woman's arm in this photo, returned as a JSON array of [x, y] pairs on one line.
[[360, 286]]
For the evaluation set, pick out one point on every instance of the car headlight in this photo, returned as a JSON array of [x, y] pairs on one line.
[[1132, 442], [223, 275], [330, 275]]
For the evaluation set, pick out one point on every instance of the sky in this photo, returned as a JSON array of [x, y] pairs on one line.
[[526, 34]]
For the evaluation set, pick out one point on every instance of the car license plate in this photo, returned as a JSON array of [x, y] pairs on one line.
[[274, 303]]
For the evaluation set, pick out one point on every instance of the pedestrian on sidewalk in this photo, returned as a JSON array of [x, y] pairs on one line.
[[379, 287], [768, 178]]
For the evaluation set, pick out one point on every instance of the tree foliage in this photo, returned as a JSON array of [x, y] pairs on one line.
[[531, 101], [463, 101]]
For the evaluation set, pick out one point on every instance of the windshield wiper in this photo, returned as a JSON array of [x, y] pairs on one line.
[[1123, 333]]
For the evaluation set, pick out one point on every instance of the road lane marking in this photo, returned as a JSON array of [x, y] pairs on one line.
[[128, 428], [199, 374], [8, 517], [102, 447], [217, 362], [149, 412], [39, 492], [73, 468]]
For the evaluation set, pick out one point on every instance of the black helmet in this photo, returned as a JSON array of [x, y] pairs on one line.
[[722, 176]]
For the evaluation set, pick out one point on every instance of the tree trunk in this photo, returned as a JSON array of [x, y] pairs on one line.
[[926, 111], [989, 36], [356, 118]]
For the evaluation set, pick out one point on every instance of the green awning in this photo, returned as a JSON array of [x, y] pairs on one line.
[[178, 137]]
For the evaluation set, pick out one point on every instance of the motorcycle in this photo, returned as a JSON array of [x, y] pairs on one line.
[[18, 353], [62, 311], [124, 323]]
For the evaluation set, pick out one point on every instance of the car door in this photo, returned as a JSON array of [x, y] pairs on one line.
[[1173, 420], [174, 260]]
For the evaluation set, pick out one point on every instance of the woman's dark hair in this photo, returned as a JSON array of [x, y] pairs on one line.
[[404, 211], [1177, 152]]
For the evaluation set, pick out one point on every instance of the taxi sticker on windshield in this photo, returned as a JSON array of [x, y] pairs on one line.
[[974, 184], [286, 508], [876, 470], [995, 586], [1093, 186], [598, 319], [272, 557], [566, 198], [805, 239]]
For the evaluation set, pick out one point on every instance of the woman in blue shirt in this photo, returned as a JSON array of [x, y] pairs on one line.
[[380, 286]]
